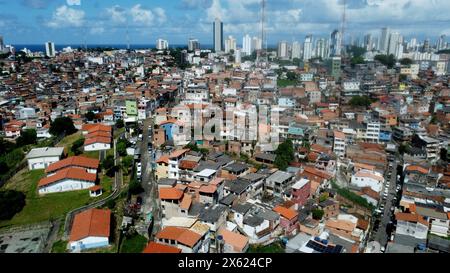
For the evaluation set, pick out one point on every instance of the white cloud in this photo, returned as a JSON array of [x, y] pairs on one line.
[[117, 14], [74, 2], [97, 30], [142, 16], [66, 17]]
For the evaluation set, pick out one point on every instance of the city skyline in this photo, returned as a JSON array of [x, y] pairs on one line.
[[96, 22]]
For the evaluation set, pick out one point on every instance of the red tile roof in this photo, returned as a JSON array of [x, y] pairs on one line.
[[156, 248], [69, 173], [170, 193], [181, 235], [74, 161], [93, 222], [285, 212], [93, 140]]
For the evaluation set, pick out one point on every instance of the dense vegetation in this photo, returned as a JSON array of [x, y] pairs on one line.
[[361, 101], [62, 127], [387, 60], [11, 202], [351, 196], [284, 155]]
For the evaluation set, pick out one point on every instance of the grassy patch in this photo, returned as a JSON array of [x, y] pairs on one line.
[[47, 207], [59, 247], [134, 244], [285, 83], [92, 154], [272, 248], [107, 183], [118, 132], [68, 141]]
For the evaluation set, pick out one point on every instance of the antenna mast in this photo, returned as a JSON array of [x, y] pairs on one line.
[[263, 51], [128, 37], [344, 19]]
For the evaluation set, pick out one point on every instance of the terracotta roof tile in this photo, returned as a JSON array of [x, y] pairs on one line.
[[74, 161], [93, 222], [238, 241], [170, 194], [285, 212], [93, 140], [181, 235], [69, 173], [157, 248]]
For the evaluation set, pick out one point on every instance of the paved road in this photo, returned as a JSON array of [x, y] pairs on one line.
[[150, 196], [381, 235]]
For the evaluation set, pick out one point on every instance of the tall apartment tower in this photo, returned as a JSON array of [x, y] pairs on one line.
[[218, 35], [50, 49]]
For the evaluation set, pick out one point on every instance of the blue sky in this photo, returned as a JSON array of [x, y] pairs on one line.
[[105, 22]]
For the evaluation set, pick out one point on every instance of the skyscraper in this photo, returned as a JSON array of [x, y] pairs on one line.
[[368, 42], [321, 51], [1, 43], [442, 43], [50, 49], [193, 44], [307, 48], [336, 43], [256, 44], [384, 41], [282, 49], [426, 45], [237, 56], [218, 35], [162, 44], [394, 40], [247, 45], [230, 44], [296, 50]]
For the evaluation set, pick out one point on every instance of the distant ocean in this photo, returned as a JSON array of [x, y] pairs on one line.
[[59, 47]]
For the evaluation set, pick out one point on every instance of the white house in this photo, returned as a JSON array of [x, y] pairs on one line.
[[374, 180], [90, 229], [412, 225], [70, 179], [97, 144], [41, 158]]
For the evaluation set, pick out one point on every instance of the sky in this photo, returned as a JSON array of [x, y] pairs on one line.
[[107, 21]]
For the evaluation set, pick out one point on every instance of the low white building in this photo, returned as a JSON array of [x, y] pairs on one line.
[[97, 144], [364, 178], [41, 158], [70, 179], [90, 229]]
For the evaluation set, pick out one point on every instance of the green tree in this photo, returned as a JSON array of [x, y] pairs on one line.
[[90, 116], [109, 165], [5, 146], [317, 214], [360, 101], [127, 163], [121, 147], [76, 146], [11, 202], [120, 123], [406, 61], [285, 154], [28, 136], [357, 60], [291, 76], [387, 60], [135, 187], [62, 126]]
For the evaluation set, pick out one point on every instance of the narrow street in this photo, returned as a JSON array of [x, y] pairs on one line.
[[381, 235], [150, 196]]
